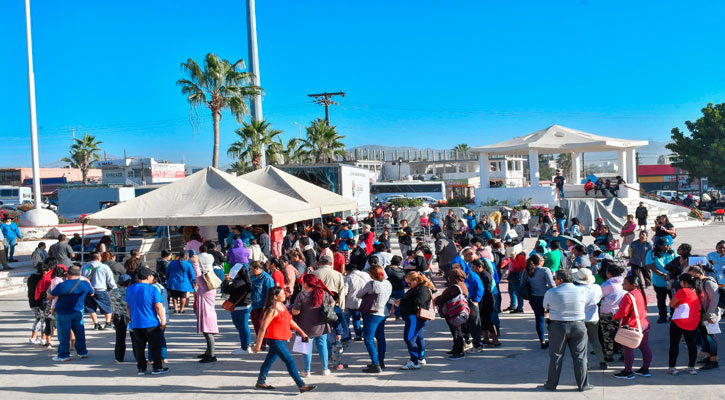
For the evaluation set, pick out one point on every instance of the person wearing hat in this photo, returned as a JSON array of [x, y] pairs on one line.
[[598, 225], [656, 260], [120, 317], [585, 279]]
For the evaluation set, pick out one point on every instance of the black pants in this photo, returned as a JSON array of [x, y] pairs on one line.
[[662, 294], [120, 323], [675, 334], [152, 336], [457, 334], [644, 273], [607, 330], [472, 327]]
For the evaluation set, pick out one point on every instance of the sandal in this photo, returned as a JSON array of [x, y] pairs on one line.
[[490, 345], [264, 386]]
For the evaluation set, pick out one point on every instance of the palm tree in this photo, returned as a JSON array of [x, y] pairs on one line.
[[564, 163], [323, 141], [239, 167], [254, 136], [461, 149], [296, 152], [220, 86], [83, 152]]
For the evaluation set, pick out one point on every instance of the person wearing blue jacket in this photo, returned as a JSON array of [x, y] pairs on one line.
[[261, 283], [12, 234], [180, 281], [471, 220], [472, 328]]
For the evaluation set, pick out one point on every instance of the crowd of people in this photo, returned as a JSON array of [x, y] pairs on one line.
[[333, 283]]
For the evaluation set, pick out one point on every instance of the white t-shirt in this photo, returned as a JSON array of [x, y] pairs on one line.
[[594, 296]]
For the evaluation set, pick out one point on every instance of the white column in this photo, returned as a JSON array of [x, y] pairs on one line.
[[458, 167], [484, 169], [576, 167], [534, 167], [622, 163], [434, 169], [632, 166]]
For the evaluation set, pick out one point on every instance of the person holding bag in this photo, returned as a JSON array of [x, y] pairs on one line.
[[239, 305], [206, 318], [632, 313], [308, 310], [415, 309], [375, 295], [456, 280], [685, 320]]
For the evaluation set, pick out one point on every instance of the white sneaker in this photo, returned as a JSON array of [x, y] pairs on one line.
[[422, 361], [304, 374], [673, 371], [240, 351], [691, 371], [34, 341], [410, 365], [326, 372]]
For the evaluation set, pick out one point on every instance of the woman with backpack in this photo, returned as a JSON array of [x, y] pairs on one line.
[[710, 315], [307, 309], [535, 281], [456, 293], [375, 295]]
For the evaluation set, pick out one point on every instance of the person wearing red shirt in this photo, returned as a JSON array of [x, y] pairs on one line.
[[685, 320], [274, 270], [634, 294], [338, 259]]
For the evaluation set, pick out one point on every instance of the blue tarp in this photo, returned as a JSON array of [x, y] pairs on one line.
[[591, 177]]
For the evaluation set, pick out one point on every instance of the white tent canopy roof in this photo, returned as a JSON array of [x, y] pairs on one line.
[[292, 186], [559, 139], [206, 198]]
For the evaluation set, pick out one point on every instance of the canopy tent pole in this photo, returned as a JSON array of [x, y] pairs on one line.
[[83, 241], [168, 235]]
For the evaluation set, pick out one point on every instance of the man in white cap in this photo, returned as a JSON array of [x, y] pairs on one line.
[[585, 280]]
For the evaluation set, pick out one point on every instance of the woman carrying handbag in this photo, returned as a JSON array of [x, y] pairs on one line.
[[633, 314], [416, 310]]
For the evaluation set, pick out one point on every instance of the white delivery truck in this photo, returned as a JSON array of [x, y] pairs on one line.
[[346, 180]]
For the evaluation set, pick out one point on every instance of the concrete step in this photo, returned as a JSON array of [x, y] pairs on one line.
[[14, 281]]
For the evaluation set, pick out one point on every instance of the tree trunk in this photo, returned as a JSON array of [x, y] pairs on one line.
[[215, 156]]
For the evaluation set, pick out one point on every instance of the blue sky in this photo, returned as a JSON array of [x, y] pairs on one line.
[[420, 73]]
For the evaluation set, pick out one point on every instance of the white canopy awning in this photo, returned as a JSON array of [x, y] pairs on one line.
[[559, 139], [208, 197], [292, 186]]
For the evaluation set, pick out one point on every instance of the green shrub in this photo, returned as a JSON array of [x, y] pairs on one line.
[[407, 202]]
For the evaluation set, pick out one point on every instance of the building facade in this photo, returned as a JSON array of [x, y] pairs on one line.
[[139, 171]]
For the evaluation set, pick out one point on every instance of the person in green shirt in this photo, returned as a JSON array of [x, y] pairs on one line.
[[552, 259]]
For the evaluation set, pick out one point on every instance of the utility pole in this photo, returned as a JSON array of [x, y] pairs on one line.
[[256, 101], [325, 99]]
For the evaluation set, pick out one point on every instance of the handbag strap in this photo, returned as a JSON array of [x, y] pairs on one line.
[[636, 312], [73, 288]]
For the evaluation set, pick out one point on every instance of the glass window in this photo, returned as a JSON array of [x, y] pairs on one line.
[[5, 192]]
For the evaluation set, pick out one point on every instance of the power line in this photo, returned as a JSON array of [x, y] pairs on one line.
[[325, 99]]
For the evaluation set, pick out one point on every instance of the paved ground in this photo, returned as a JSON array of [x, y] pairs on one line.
[[514, 370]]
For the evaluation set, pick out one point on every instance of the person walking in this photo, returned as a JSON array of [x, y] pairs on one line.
[[307, 310], [641, 214], [710, 316], [656, 260], [567, 311], [145, 307], [633, 308], [379, 289], [180, 281], [206, 318], [585, 279], [12, 234], [69, 306], [101, 278], [539, 280], [240, 289], [61, 251], [685, 320], [276, 328], [456, 288], [355, 280], [418, 297]]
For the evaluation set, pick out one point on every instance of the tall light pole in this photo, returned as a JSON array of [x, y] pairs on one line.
[[299, 127], [33, 117], [256, 101]]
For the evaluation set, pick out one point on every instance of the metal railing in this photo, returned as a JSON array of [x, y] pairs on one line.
[[664, 200]]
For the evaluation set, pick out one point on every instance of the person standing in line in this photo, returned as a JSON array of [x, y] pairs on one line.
[[276, 329], [277, 240], [405, 238], [101, 278], [261, 282], [180, 281], [685, 320], [710, 315], [147, 318], [355, 280], [418, 297], [70, 295], [333, 280], [567, 311], [162, 264], [120, 317], [717, 261], [446, 251], [612, 293], [165, 304], [585, 279], [627, 234], [641, 214], [39, 255], [206, 318], [61, 251], [539, 280], [239, 289], [656, 260], [12, 234], [634, 304], [637, 261], [457, 287], [374, 320], [307, 308]]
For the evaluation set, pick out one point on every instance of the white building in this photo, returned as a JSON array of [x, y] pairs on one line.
[[139, 171]]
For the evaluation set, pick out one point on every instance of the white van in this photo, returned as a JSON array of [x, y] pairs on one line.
[[15, 195]]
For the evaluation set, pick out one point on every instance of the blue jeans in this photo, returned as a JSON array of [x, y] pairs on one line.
[[10, 250], [278, 348], [413, 337], [66, 324], [164, 349], [374, 328], [240, 318], [537, 304], [321, 344], [516, 302], [355, 314], [560, 223], [395, 295]]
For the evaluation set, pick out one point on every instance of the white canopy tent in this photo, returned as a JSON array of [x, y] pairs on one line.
[[292, 186], [208, 197]]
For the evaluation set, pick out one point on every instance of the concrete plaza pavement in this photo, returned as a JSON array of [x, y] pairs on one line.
[[513, 371]]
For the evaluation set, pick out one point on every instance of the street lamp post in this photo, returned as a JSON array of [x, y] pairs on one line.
[[33, 117], [256, 101], [299, 127]]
